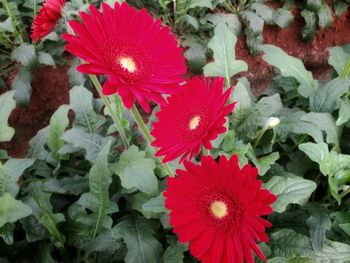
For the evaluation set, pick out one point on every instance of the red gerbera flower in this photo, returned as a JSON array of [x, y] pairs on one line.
[[141, 57], [191, 119], [217, 208], [45, 21]]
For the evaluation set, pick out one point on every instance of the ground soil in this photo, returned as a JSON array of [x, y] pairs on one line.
[[313, 54], [51, 85], [50, 90]]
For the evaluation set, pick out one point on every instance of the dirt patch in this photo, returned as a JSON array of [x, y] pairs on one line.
[[313, 54], [50, 90]]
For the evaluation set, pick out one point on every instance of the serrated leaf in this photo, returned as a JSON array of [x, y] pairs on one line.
[[326, 123], [174, 253], [138, 234], [344, 113], [309, 29], [39, 201], [325, 17], [253, 41], [75, 77], [318, 222], [223, 45], [33, 229], [46, 59], [12, 210], [92, 143], [314, 5], [283, 17], [256, 24], [75, 185], [137, 171], [24, 54], [37, 145], [81, 102], [7, 104], [293, 246], [264, 163], [231, 20], [155, 205], [10, 173], [338, 59], [328, 97], [6, 26], [195, 54], [22, 86], [340, 8], [97, 199], [264, 11], [6, 233], [58, 124], [296, 190], [290, 67]]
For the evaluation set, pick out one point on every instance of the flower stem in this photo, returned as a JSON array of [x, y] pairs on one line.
[[112, 113], [346, 71], [143, 127]]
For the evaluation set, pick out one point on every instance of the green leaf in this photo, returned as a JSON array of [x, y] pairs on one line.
[[253, 41], [314, 5], [22, 85], [223, 45], [200, 3], [256, 24], [231, 20], [138, 234], [291, 245], [137, 171], [58, 123], [12, 210], [330, 162], [10, 173], [75, 185], [195, 54], [290, 67], [325, 17], [37, 145], [338, 59], [318, 222], [24, 54], [6, 26], [81, 102], [340, 8], [296, 190], [310, 27], [6, 233], [33, 229], [155, 205], [39, 201], [326, 123], [344, 113], [97, 200], [75, 77], [174, 252], [7, 104], [45, 59], [283, 17], [264, 163], [328, 97], [92, 143], [264, 11]]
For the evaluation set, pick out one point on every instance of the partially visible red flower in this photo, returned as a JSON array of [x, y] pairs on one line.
[[47, 18], [192, 118], [141, 58], [217, 208]]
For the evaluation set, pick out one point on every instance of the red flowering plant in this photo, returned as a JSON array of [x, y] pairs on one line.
[[162, 152]]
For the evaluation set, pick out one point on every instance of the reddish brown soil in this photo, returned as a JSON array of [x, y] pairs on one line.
[[50, 90], [314, 54]]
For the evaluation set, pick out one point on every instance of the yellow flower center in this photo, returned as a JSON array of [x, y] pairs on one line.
[[194, 122], [219, 209], [128, 63]]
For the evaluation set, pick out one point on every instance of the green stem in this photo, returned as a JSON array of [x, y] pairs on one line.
[[13, 20], [110, 110], [346, 71], [344, 193], [261, 134], [143, 127]]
